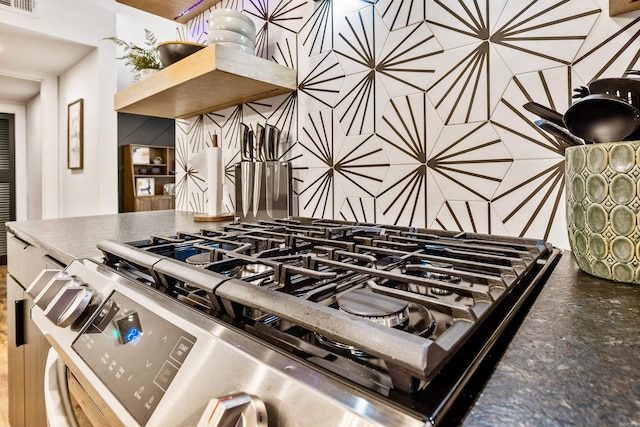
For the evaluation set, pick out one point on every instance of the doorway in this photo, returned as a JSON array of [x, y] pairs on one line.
[[7, 180]]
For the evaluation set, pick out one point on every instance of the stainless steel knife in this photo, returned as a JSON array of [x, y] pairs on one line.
[[246, 170]]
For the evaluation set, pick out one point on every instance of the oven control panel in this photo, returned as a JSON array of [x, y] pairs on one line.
[[134, 352]]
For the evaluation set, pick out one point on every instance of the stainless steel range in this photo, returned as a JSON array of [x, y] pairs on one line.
[[291, 322]]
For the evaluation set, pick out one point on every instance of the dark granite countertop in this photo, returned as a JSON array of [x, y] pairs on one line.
[[574, 361]]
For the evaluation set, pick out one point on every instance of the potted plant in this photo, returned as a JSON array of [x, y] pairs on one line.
[[140, 58]]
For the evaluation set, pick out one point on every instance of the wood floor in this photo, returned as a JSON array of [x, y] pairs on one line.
[[4, 406]]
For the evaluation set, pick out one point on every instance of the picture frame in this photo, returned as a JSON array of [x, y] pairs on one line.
[[75, 134], [140, 155], [145, 187]]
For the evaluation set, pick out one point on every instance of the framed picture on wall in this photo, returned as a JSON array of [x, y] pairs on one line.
[[75, 125]]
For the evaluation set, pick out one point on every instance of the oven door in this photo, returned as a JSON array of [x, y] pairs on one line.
[[66, 401]]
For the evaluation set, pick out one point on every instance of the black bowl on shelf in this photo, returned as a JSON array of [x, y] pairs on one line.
[[143, 171], [155, 171], [173, 51]]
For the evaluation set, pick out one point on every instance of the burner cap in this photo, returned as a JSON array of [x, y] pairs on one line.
[[378, 308], [202, 258]]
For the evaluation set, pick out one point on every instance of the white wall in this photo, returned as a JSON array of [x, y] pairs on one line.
[[34, 158], [41, 148], [131, 24], [80, 189]]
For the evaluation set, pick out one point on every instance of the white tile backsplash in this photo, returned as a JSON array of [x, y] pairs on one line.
[[410, 112]]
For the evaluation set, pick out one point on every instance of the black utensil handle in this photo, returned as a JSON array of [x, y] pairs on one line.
[[19, 326]]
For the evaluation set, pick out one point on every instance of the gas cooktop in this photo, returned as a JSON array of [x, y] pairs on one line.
[[417, 317]]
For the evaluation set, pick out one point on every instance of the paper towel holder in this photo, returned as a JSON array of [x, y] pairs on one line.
[[208, 217]]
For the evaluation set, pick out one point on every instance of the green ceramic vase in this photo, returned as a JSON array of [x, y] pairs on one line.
[[603, 209]]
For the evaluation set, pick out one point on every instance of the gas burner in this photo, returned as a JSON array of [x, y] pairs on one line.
[[385, 311], [444, 277], [258, 274], [440, 291], [200, 259], [380, 309]]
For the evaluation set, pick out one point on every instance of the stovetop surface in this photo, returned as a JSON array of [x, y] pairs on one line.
[[410, 314]]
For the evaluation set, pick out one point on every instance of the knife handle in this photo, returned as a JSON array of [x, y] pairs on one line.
[[260, 148], [246, 150]]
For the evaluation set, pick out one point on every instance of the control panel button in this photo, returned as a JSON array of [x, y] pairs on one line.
[[181, 350], [129, 328], [41, 281], [166, 375], [68, 304]]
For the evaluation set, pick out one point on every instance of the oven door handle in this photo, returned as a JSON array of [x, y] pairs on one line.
[[56, 393]]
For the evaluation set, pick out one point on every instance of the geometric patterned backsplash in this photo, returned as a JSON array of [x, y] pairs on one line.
[[410, 112]]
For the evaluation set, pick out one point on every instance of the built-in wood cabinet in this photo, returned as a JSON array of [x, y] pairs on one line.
[[27, 347], [211, 79], [148, 169]]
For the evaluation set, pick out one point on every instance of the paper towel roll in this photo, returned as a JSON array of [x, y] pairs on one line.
[[210, 165]]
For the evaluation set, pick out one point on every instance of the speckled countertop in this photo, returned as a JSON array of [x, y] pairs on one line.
[[575, 361], [68, 238]]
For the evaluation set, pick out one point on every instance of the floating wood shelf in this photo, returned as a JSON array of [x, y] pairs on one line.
[[211, 79], [618, 7], [177, 10]]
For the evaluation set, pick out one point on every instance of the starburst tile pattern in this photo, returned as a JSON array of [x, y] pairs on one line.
[[317, 33], [476, 217], [360, 209], [379, 63], [359, 168], [339, 167], [410, 112], [468, 83], [611, 48], [489, 41], [401, 13], [276, 20], [409, 128], [530, 200], [469, 161], [321, 78], [317, 144], [551, 88], [542, 34]]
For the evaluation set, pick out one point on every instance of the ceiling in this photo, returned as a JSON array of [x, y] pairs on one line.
[[24, 54]]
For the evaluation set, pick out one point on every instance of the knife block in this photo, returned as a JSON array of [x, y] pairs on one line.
[[263, 190]]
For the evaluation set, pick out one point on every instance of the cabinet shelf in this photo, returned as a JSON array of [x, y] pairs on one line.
[[145, 191], [211, 79], [177, 10]]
